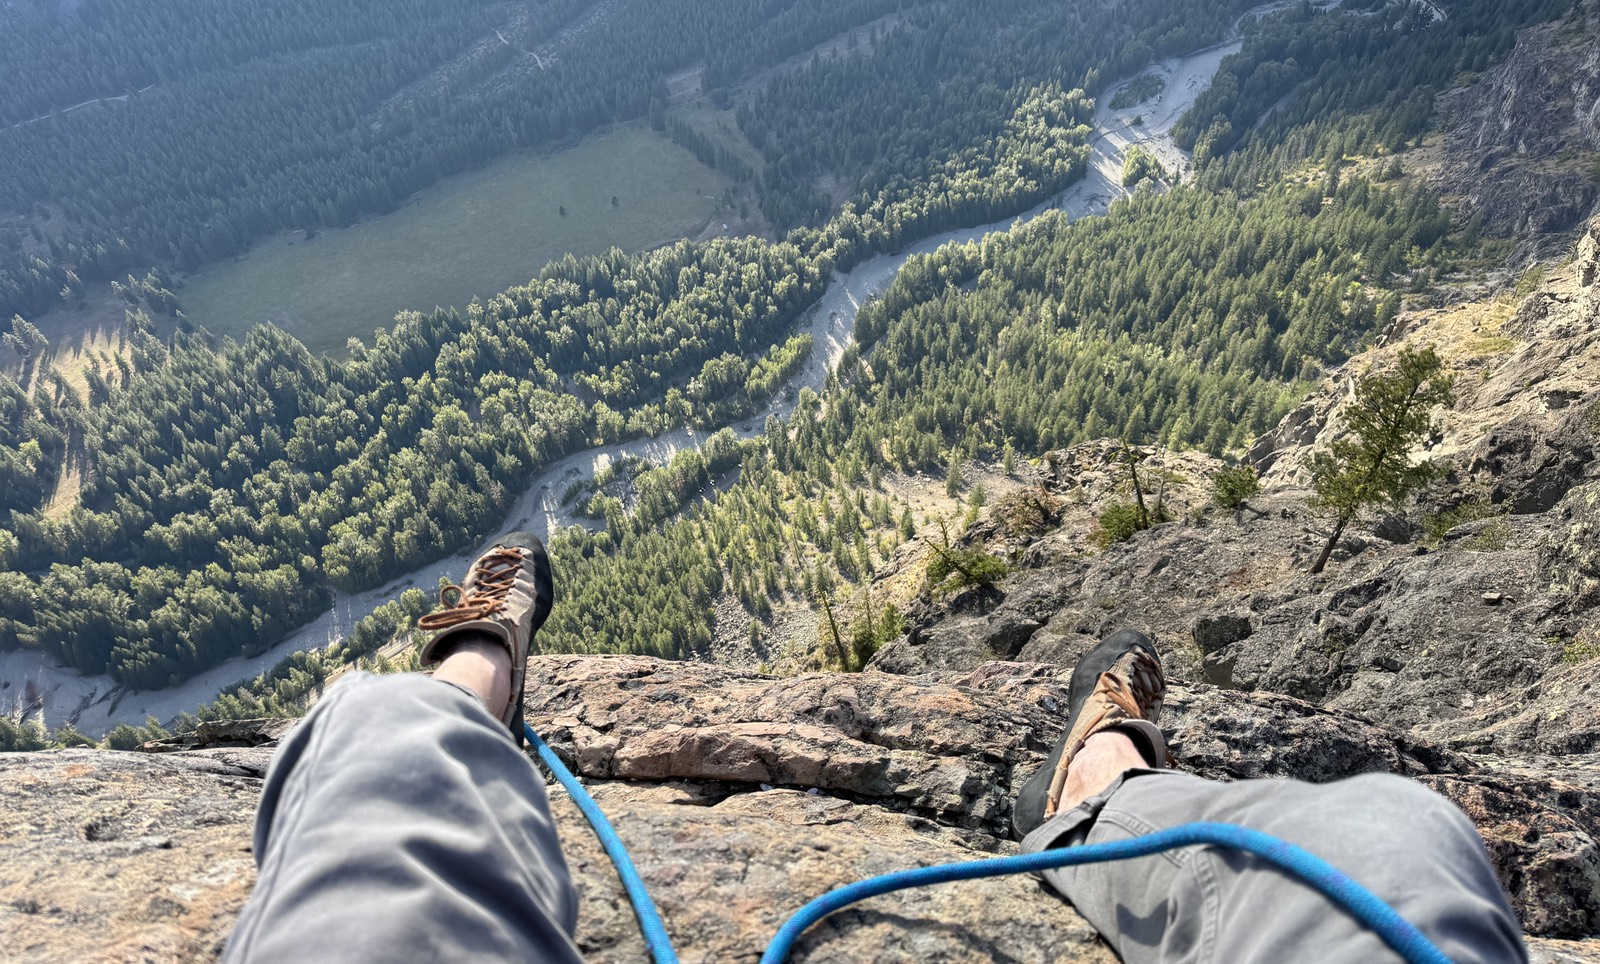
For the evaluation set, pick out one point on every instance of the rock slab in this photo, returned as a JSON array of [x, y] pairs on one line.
[[741, 797]]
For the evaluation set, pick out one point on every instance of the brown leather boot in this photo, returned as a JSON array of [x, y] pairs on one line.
[[506, 596], [1116, 685]]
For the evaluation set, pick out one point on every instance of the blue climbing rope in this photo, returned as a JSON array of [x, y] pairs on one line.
[[655, 932], [1400, 934]]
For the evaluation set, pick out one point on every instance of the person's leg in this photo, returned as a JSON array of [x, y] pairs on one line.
[[1105, 757], [1397, 838], [400, 821]]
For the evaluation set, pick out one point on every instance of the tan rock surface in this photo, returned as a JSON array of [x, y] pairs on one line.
[[725, 878], [124, 856], [108, 856]]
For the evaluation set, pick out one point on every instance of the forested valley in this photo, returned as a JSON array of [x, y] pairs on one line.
[[126, 147], [226, 489]]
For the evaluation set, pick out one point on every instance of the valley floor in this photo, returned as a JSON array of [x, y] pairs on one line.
[[471, 236]]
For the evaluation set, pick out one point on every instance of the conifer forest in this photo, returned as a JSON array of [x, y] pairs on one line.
[[189, 499]]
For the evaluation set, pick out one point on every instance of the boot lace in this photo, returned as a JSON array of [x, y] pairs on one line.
[[492, 577], [1141, 696]]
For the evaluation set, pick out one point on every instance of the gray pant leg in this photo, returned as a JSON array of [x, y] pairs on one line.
[[1198, 905], [400, 823]]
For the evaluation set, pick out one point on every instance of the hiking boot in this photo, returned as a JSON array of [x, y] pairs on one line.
[[506, 596], [1117, 685]]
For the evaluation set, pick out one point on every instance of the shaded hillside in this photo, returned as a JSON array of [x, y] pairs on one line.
[[1522, 145]]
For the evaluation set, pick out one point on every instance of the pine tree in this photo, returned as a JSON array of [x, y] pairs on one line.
[[952, 478], [1391, 413]]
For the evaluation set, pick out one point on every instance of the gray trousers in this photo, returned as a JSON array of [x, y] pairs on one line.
[[1198, 905], [400, 823]]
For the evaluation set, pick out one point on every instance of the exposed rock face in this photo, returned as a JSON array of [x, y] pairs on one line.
[[1517, 138], [726, 860], [225, 733], [124, 856], [1463, 646], [1049, 597], [1525, 428], [725, 877], [1559, 715], [926, 747], [1402, 637], [1571, 556], [133, 856]]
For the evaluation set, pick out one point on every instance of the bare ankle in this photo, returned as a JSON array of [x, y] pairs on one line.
[[480, 663], [1105, 756]]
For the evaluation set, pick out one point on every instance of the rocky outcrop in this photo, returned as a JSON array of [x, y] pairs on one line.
[[1571, 556], [1475, 649], [741, 797], [225, 733], [726, 876], [1394, 632], [1558, 716], [1521, 141], [123, 856], [1473, 639], [1525, 427], [1053, 607], [1539, 408], [930, 748]]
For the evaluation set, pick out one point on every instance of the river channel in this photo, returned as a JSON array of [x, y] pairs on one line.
[[95, 704]]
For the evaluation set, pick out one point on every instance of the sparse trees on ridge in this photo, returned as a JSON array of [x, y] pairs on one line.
[[1391, 413]]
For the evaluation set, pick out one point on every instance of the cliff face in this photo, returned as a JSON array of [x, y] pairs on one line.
[[1521, 144], [1522, 431], [1480, 642], [1467, 660]]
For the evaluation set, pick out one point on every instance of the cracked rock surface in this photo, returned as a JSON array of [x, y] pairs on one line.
[[128, 856], [124, 856]]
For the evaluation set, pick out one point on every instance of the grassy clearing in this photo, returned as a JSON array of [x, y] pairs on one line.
[[473, 235], [1472, 330], [742, 214], [90, 338], [83, 334], [68, 490], [721, 127]]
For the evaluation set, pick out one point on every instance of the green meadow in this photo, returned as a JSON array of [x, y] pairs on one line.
[[475, 234]]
